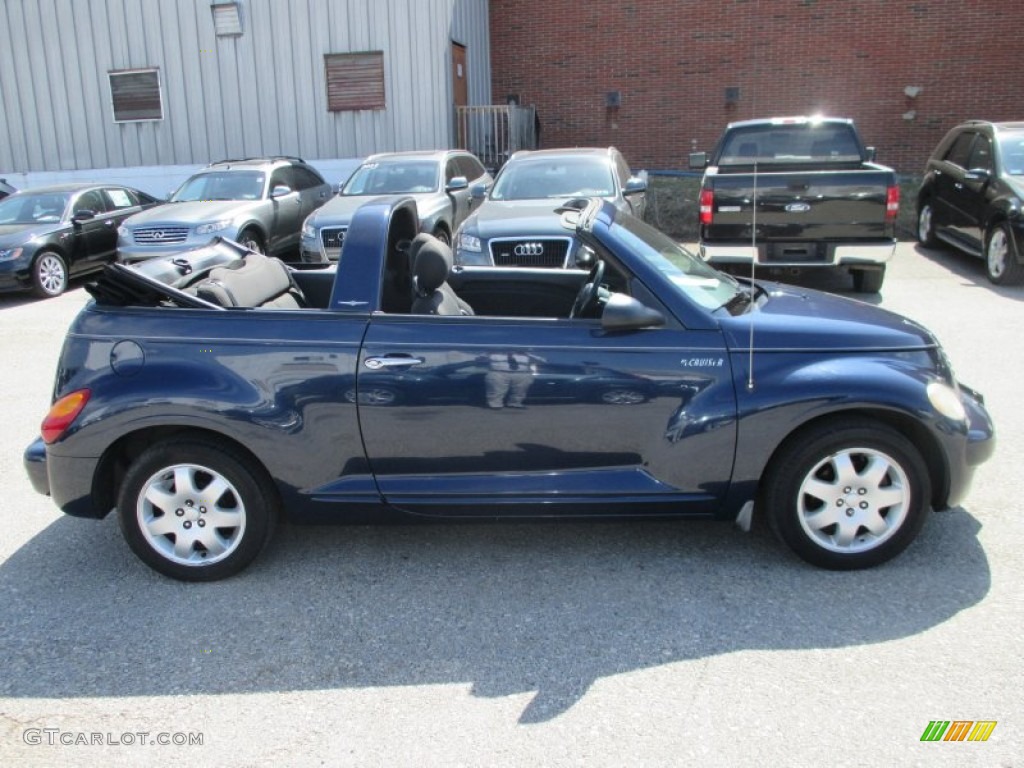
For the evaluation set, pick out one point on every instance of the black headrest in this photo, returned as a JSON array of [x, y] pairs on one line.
[[432, 264]]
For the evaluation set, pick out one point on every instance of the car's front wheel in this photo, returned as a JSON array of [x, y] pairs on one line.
[[196, 511], [847, 494], [49, 275], [1000, 263], [251, 239]]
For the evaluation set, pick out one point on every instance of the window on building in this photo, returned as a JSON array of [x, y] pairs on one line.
[[355, 81], [135, 95]]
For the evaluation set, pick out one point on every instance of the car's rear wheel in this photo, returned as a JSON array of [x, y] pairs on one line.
[[1000, 262], [196, 511], [251, 239], [847, 494], [926, 225], [49, 275]]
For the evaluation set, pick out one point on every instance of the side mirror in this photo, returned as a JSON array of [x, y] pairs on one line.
[[281, 190], [634, 185], [478, 191], [457, 183], [977, 175], [698, 161], [624, 313], [83, 216]]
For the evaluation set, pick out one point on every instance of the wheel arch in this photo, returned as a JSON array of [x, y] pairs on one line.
[[116, 459], [918, 434]]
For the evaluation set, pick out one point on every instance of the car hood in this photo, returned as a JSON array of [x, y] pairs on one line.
[[339, 209], [1016, 185], [795, 319], [500, 218], [191, 213], [13, 234]]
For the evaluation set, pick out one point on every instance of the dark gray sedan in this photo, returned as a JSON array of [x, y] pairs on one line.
[[49, 234], [516, 225]]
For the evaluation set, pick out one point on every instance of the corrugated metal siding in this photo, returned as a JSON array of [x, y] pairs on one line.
[[262, 92]]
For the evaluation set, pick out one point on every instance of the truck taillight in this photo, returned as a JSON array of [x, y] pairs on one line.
[[62, 414], [892, 203], [707, 206]]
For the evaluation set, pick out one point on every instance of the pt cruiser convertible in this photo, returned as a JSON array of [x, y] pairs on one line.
[[204, 396]]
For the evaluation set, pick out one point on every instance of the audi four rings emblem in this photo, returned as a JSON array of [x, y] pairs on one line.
[[529, 249]]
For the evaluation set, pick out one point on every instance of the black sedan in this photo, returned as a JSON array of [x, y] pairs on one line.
[[972, 197], [50, 234]]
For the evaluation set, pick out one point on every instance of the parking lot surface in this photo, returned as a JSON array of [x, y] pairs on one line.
[[612, 644]]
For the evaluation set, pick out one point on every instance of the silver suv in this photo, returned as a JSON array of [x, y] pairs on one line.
[[259, 202]]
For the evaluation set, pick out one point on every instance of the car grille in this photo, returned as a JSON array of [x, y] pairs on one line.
[[532, 252], [332, 239], [160, 235]]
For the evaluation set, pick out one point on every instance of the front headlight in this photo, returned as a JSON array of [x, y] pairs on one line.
[[214, 226], [946, 401], [10, 254], [467, 242], [124, 232], [308, 230]]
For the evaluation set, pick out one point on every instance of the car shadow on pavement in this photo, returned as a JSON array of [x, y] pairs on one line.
[[510, 608], [969, 268]]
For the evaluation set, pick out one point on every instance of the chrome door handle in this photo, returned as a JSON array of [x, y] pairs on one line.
[[392, 361]]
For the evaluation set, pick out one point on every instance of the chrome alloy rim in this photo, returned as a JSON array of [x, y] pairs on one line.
[[51, 274], [924, 223], [191, 515], [853, 500], [998, 250]]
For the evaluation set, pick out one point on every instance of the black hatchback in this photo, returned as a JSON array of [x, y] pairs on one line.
[[49, 234], [972, 195]]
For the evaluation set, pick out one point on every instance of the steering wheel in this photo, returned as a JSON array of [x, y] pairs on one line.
[[587, 298]]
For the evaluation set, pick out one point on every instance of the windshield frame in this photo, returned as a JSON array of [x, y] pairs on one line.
[[364, 173], [514, 170], [19, 200], [220, 176]]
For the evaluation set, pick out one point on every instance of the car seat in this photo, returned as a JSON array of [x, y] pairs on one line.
[[255, 281], [432, 263]]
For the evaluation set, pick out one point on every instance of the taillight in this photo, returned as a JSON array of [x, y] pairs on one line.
[[892, 203], [62, 414], [707, 206]]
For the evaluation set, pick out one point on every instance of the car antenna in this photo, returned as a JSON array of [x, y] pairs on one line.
[[753, 289]]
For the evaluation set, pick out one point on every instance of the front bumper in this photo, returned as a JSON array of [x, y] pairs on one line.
[[15, 275], [976, 449]]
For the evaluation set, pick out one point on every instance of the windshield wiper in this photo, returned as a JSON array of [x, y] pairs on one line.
[[742, 297]]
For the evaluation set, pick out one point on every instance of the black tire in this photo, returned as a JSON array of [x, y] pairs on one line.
[[166, 496], [49, 275], [1001, 264], [926, 225], [251, 239], [442, 234], [868, 280], [821, 499]]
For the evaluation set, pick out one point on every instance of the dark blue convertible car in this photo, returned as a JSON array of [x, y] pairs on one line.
[[204, 395]]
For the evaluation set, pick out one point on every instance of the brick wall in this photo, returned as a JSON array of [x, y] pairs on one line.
[[672, 63]]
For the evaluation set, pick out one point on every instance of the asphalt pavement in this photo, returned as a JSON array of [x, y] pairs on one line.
[[612, 644]]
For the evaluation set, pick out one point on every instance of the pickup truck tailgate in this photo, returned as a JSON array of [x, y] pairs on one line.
[[800, 206]]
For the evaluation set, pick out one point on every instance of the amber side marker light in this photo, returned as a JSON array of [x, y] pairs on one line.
[[62, 414]]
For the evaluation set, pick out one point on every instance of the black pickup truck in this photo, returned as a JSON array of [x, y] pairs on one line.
[[821, 200]]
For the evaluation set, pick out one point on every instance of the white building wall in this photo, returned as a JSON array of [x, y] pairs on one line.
[[261, 93]]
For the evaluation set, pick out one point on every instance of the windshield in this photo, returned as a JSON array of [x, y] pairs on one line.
[[557, 177], [27, 208], [791, 142], [690, 276], [393, 178], [221, 185], [1011, 147]]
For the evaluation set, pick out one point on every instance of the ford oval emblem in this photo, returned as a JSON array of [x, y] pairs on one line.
[[798, 208]]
